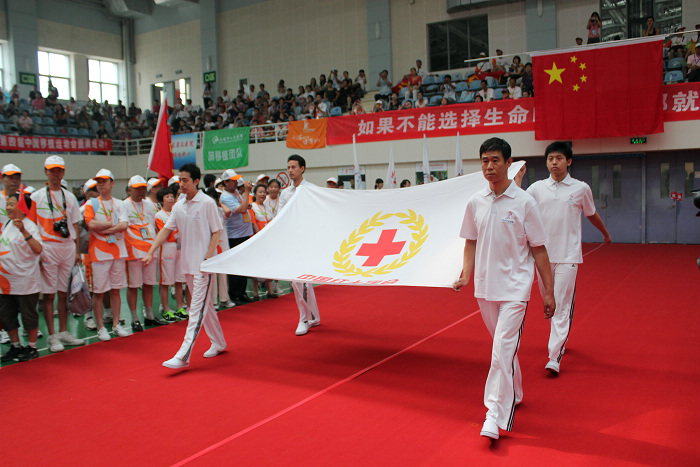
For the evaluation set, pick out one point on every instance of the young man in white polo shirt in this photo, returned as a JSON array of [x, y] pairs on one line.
[[56, 212], [197, 219], [303, 292], [561, 199], [504, 233]]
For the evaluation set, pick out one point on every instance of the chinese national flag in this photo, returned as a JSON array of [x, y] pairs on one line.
[[599, 91], [160, 160]]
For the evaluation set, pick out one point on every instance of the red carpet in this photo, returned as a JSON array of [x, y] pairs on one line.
[[627, 393]]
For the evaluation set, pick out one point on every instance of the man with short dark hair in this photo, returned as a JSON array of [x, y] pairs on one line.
[[197, 219], [303, 293], [504, 233], [561, 199]]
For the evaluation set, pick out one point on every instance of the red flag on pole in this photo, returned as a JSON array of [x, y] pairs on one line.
[[599, 91], [160, 160], [22, 202]]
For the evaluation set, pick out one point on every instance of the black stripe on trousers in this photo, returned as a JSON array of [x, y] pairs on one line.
[[512, 367], [199, 321], [568, 331]]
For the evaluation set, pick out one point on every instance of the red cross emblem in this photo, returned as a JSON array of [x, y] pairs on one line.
[[376, 252]]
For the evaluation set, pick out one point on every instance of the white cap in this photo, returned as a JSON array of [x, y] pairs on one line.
[[104, 173], [52, 162], [218, 180], [11, 169], [153, 182], [174, 179], [92, 183], [230, 174], [29, 189], [240, 181], [332, 179], [261, 176], [137, 181]]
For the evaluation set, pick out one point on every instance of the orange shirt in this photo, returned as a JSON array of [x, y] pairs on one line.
[[141, 232], [44, 214], [105, 247]]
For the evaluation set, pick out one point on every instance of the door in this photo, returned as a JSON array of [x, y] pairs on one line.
[[672, 175], [616, 183]]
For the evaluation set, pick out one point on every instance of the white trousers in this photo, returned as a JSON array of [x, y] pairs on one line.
[[306, 301], [221, 288], [564, 275], [201, 311], [504, 384]]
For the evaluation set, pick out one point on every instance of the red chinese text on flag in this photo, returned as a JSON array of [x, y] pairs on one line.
[[599, 91], [160, 160]]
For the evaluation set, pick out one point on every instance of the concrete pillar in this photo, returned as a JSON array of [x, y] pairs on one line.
[[378, 40], [22, 33], [541, 24], [210, 52]]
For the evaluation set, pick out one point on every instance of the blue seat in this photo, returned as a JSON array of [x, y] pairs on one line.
[[440, 78], [2, 128], [2, 118], [336, 112], [435, 100], [457, 77], [497, 96], [475, 85], [49, 130], [491, 81], [461, 86], [48, 112], [72, 131], [82, 132], [93, 124], [135, 133], [675, 63], [249, 112], [675, 76], [466, 96], [431, 90], [428, 80], [37, 120], [48, 121]]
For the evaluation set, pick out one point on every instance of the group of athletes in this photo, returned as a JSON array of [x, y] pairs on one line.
[[509, 233]]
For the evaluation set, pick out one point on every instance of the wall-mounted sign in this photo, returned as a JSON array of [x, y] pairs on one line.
[[27, 78], [639, 140], [210, 77]]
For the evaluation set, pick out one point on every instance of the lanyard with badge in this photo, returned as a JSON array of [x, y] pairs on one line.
[[60, 226], [111, 238], [144, 231], [246, 216]]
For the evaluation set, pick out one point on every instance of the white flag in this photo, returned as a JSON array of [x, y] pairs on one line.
[[426, 163], [356, 170], [367, 237], [459, 166], [391, 171]]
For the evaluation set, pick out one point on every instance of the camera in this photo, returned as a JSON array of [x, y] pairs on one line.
[[62, 228]]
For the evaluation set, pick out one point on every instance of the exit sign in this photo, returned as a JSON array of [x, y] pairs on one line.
[[640, 140], [210, 77], [27, 78]]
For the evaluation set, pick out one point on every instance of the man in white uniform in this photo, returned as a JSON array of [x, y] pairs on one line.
[[561, 199], [197, 219], [303, 292], [504, 233]]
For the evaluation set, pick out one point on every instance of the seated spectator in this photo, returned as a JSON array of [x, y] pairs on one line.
[[309, 91], [649, 29], [579, 41], [38, 104], [281, 88], [345, 96], [26, 125], [334, 79], [514, 92], [361, 81], [102, 132], [20, 249], [72, 107], [677, 44], [289, 99], [527, 94], [693, 64], [447, 88], [422, 72], [51, 101], [504, 93], [478, 98], [11, 113], [322, 109], [321, 82], [484, 65], [60, 115], [421, 101], [414, 84], [384, 86], [378, 106], [407, 104], [314, 86], [486, 92], [133, 112], [120, 110], [528, 78], [499, 63], [250, 95], [444, 101], [357, 108], [394, 102], [516, 68]]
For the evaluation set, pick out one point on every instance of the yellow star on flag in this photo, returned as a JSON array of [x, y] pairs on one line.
[[584, 78], [576, 87], [582, 66], [573, 59], [555, 73]]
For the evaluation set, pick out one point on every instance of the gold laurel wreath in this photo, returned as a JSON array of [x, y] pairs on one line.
[[415, 222]]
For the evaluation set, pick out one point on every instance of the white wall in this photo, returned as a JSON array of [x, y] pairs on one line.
[[572, 18]]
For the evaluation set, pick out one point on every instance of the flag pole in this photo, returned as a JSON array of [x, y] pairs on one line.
[[356, 169], [391, 170], [459, 165], [426, 163]]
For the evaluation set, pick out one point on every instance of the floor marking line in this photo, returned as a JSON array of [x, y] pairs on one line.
[[318, 394]]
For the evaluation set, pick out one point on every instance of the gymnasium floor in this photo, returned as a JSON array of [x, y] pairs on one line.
[[393, 376]]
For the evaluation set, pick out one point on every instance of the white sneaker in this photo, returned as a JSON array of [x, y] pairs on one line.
[[302, 329], [552, 366], [90, 324], [68, 339], [213, 351], [225, 305], [107, 316], [103, 334], [314, 322], [55, 344], [4, 337], [490, 429], [121, 332], [175, 363]]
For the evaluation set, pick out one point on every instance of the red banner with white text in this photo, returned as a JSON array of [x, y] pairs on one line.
[[50, 144], [681, 102], [476, 118]]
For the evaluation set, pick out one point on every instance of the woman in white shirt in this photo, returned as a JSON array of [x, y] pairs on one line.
[[261, 217]]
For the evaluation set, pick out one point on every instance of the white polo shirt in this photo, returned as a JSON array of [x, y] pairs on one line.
[[290, 191], [196, 220], [504, 228], [561, 204], [20, 265]]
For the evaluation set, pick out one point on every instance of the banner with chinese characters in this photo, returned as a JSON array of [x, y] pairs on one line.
[[225, 149], [50, 144], [476, 118], [307, 134], [362, 237], [681, 102], [184, 149]]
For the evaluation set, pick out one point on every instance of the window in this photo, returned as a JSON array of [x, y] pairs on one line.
[[2, 71], [450, 43], [104, 81], [182, 90], [627, 18], [56, 68]]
